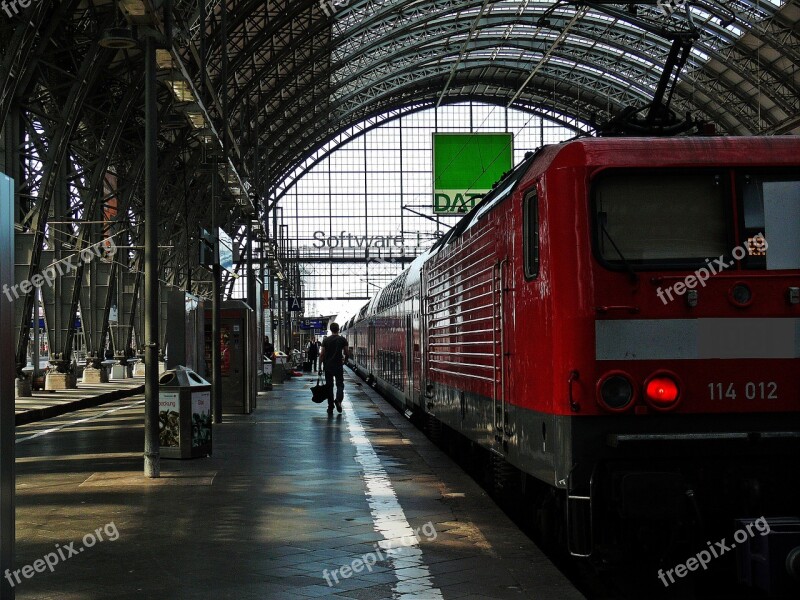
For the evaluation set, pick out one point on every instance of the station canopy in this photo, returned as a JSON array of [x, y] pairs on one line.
[[253, 94], [316, 72]]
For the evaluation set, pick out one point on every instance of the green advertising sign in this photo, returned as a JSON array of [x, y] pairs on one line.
[[465, 166]]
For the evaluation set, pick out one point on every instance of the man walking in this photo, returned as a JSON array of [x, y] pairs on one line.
[[335, 351]]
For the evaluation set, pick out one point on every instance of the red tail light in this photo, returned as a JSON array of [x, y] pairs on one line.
[[662, 391]]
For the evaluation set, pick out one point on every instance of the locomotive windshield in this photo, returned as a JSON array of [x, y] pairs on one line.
[[661, 217], [676, 219]]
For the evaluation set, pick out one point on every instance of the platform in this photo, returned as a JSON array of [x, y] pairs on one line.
[[46, 405], [291, 500]]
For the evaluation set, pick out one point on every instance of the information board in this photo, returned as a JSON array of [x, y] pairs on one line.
[[466, 166]]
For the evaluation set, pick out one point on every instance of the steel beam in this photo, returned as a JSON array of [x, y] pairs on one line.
[[216, 300]]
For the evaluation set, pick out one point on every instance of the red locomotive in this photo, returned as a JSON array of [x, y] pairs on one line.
[[619, 320]]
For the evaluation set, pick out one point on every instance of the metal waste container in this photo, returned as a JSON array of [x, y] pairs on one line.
[[279, 367], [184, 414], [266, 382]]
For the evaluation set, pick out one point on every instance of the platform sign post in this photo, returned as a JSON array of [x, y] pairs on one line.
[[294, 304], [7, 376], [466, 166]]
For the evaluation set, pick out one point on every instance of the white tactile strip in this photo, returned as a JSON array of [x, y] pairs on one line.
[[389, 519]]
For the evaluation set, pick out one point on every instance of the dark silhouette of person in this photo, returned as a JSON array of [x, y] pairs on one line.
[[269, 348], [312, 352], [335, 351]]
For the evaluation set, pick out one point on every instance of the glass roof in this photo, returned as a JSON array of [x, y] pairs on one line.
[[313, 69]]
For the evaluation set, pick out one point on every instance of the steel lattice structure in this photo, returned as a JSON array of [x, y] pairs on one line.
[[253, 93]]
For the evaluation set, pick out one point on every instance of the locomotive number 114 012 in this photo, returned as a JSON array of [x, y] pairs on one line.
[[752, 390]]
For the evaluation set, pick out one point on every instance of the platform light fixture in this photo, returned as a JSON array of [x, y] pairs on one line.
[[118, 38]]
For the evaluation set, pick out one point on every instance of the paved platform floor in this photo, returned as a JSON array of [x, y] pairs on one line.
[[46, 405], [292, 499]]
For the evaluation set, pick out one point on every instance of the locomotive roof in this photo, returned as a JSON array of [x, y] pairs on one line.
[[672, 152]]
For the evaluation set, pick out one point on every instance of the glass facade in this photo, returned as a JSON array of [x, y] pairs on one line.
[[361, 214]]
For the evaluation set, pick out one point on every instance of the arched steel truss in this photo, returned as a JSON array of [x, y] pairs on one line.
[[312, 75]]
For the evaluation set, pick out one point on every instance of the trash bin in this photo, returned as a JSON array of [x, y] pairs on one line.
[[267, 376], [184, 414], [279, 367]]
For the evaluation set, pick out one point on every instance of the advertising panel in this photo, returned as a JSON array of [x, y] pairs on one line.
[[466, 166]]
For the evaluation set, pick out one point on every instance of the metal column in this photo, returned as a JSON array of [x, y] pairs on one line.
[[7, 376], [152, 467], [251, 270], [216, 293], [270, 279]]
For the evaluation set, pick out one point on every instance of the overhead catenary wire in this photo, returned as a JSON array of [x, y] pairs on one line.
[[582, 11], [463, 52]]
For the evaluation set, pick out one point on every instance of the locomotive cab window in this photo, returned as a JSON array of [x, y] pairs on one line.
[[646, 219], [530, 209], [770, 207]]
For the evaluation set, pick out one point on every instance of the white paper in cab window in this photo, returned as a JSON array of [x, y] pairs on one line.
[[782, 220]]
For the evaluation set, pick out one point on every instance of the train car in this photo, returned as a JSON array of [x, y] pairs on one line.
[[619, 320]]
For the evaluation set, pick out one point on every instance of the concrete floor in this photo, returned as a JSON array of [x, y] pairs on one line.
[[290, 500], [46, 405]]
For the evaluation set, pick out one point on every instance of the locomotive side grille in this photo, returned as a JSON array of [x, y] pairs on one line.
[[461, 308]]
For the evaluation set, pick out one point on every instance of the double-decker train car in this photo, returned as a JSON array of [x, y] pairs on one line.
[[619, 320]]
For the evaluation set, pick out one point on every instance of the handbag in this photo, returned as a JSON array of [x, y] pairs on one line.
[[319, 392]]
